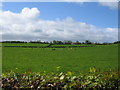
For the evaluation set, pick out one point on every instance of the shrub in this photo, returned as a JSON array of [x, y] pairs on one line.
[[58, 81]]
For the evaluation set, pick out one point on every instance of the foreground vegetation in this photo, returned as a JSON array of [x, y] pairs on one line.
[[65, 80], [34, 68]]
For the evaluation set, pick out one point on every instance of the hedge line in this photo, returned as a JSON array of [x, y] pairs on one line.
[[61, 81]]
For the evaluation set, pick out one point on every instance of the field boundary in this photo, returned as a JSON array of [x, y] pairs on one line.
[[46, 46]]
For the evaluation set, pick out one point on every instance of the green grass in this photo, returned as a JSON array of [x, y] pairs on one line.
[[76, 60], [74, 45], [23, 44]]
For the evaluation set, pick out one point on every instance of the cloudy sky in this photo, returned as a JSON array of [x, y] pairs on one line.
[[47, 21]]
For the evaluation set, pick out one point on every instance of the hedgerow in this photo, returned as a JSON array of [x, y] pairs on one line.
[[60, 81]]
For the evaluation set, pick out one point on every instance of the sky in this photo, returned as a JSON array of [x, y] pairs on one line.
[[48, 21]]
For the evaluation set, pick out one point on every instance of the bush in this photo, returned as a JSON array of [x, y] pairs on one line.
[[59, 81]]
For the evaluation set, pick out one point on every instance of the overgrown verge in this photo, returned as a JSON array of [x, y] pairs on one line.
[[61, 81]]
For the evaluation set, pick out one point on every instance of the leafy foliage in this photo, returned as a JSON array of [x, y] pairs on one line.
[[64, 80]]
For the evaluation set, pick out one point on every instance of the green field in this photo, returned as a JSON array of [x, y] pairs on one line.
[[76, 60], [23, 44], [75, 45]]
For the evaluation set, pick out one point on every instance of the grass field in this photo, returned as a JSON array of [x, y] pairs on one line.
[[76, 60], [75, 45], [23, 44]]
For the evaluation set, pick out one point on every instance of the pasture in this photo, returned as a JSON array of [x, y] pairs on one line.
[[103, 57], [23, 44]]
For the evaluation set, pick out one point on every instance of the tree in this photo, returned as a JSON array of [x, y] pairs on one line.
[[87, 42], [77, 42], [67, 42]]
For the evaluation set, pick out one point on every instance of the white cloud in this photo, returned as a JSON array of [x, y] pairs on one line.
[[27, 25], [30, 13], [112, 5]]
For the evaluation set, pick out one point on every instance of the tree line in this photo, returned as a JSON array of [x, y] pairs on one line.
[[62, 42]]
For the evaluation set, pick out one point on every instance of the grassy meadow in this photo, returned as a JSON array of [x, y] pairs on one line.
[[23, 44], [103, 57]]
